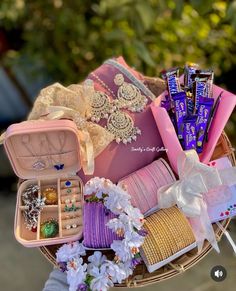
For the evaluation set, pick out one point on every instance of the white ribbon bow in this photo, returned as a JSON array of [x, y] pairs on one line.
[[195, 179]]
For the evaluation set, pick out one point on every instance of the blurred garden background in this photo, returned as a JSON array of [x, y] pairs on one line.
[[43, 41]]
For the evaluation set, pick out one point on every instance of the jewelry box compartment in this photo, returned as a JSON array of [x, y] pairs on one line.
[[49, 211]]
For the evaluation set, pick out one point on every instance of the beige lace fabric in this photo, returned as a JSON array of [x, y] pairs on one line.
[[72, 97], [73, 102]]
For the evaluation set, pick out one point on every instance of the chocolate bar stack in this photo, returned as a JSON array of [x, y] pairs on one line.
[[191, 105]]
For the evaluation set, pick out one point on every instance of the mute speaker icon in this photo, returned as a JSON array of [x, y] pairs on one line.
[[218, 273]]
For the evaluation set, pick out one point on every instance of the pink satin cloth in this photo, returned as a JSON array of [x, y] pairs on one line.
[[168, 134], [119, 160]]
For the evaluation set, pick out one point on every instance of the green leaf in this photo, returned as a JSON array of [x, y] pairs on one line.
[[106, 5], [146, 14], [88, 279], [231, 10], [202, 6], [231, 13], [143, 53], [178, 9], [115, 34]]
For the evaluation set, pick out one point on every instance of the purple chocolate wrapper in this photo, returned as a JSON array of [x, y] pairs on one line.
[[172, 79], [200, 86], [180, 108], [189, 132], [189, 70], [190, 105], [209, 74], [204, 113], [166, 104]]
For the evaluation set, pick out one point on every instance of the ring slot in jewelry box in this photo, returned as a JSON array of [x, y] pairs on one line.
[[46, 154]]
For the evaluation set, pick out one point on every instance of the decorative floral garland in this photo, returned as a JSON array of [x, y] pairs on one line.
[[100, 273]]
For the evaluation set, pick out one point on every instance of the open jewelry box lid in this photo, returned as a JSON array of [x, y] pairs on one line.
[[43, 148]]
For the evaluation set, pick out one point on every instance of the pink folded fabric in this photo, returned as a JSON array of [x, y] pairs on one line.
[[119, 160], [143, 184], [168, 134]]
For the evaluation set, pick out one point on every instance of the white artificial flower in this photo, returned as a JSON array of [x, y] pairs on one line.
[[101, 283], [97, 186], [114, 224], [90, 186], [93, 270], [117, 201], [133, 240], [69, 251], [101, 280], [135, 216], [127, 222], [122, 250], [97, 259], [117, 198], [122, 222], [115, 272], [76, 273], [95, 267], [126, 267]]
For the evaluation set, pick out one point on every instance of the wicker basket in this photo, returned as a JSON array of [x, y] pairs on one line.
[[141, 276]]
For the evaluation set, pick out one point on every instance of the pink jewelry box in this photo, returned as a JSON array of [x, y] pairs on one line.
[[168, 133], [46, 153]]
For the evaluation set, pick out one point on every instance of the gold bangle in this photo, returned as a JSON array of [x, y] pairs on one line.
[[151, 248], [168, 232], [163, 236]]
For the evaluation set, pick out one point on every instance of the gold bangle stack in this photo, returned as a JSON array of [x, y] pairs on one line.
[[168, 232]]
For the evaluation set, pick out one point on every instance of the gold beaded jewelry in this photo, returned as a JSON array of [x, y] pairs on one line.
[[168, 232], [186, 233], [168, 238], [151, 248], [50, 195], [172, 232], [158, 240], [163, 235]]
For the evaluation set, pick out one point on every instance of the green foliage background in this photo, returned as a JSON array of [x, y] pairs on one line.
[[72, 37]]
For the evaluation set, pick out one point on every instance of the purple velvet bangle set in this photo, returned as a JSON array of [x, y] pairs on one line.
[[96, 233]]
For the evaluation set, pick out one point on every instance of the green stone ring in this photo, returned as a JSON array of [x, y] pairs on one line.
[[49, 229], [72, 208]]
